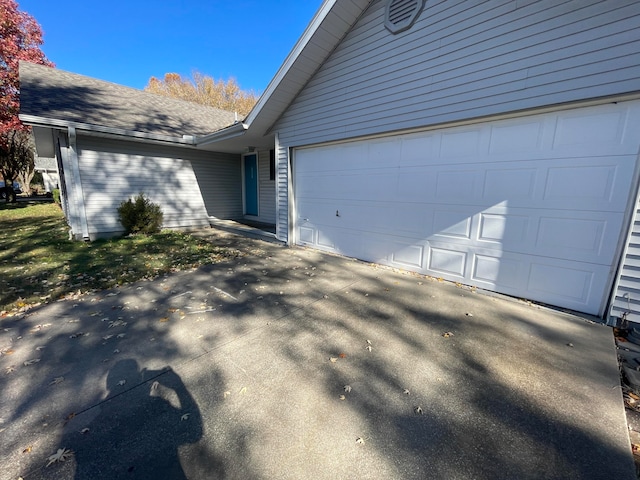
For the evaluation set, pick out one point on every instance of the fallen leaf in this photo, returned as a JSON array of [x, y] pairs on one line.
[[333, 359], [347, 388], [121, 335], [418, 410], [226, 394], [369, 347], [469, 314], [343, 355], [406, 391], [60, 456], [185, 417], [569, 344], [342, 397], [31, 362], [56, 380], [243, 390], [28, 449], [122, 382], [369, 342], [40, 348], [84, 431], [164, 319], [8, 352], [155, 385], [116, 350], [107, 337], [447, 334], [9, 369], [360, 440]]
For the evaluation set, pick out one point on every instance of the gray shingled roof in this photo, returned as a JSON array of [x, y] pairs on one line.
[[59, 95]]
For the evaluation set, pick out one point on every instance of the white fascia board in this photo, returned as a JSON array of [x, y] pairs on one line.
[[233, 131], [306, 36], [105, 131]]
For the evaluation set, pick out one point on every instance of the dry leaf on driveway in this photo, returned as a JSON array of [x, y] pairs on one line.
[[61, 455]]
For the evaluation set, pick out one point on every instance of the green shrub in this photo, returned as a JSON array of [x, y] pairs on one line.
[[140, 215], [56, 195]]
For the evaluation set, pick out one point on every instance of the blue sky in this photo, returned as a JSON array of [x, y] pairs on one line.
[[128, 41]]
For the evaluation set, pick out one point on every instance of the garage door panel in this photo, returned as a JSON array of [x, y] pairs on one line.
[[508, 272], [513, 183], [532, 207], [522, 137], [447, 261]]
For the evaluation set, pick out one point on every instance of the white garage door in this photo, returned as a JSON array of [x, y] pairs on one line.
[[532, 207]]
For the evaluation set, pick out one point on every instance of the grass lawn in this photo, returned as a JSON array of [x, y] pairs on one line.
[[39, 264]]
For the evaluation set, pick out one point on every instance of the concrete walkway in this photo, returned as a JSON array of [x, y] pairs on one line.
[[290, 364]]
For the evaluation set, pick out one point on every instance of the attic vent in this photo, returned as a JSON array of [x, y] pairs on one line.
[[400, 14]]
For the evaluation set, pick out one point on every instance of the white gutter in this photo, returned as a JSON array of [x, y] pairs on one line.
[[98, 129], [233, 131]]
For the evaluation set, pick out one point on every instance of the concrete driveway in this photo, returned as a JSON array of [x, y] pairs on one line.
[[290, 364]]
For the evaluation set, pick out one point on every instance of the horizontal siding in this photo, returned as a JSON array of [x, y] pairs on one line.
[[219, 179], [266, 189], [464, 60], [626, 297], [282, 191], [112, 172]]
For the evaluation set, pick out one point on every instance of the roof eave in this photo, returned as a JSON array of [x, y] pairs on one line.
[[227, 133], [99, 130]]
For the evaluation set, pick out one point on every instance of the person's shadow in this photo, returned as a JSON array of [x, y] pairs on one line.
[[136, 433]]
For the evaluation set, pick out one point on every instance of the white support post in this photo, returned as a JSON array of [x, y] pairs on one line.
[[76, 191]]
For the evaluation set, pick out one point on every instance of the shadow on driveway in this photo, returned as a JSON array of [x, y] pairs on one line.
[[287, 363]]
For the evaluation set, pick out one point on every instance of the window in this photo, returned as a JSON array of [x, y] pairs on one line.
[[272, 165]]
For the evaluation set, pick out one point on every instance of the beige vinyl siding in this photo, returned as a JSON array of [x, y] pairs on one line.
[[115, 171], [464, 60], [266, 189]]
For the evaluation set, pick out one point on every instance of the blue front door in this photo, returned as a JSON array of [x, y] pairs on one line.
[[251, 184]]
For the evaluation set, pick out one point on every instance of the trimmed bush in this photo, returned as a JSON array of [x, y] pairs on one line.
[[140, 215]]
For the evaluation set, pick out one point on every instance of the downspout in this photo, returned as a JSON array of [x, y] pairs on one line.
[[78, 197]]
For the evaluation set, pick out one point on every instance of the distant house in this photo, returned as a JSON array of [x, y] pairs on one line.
[[48, 168], [493, 144]]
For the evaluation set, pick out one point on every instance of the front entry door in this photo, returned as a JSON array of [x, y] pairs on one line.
[[251, 184]]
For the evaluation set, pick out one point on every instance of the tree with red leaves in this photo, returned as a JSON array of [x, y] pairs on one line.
[[20, 39]]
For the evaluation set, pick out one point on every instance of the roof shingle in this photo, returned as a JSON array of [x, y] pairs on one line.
[[55, 94]]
